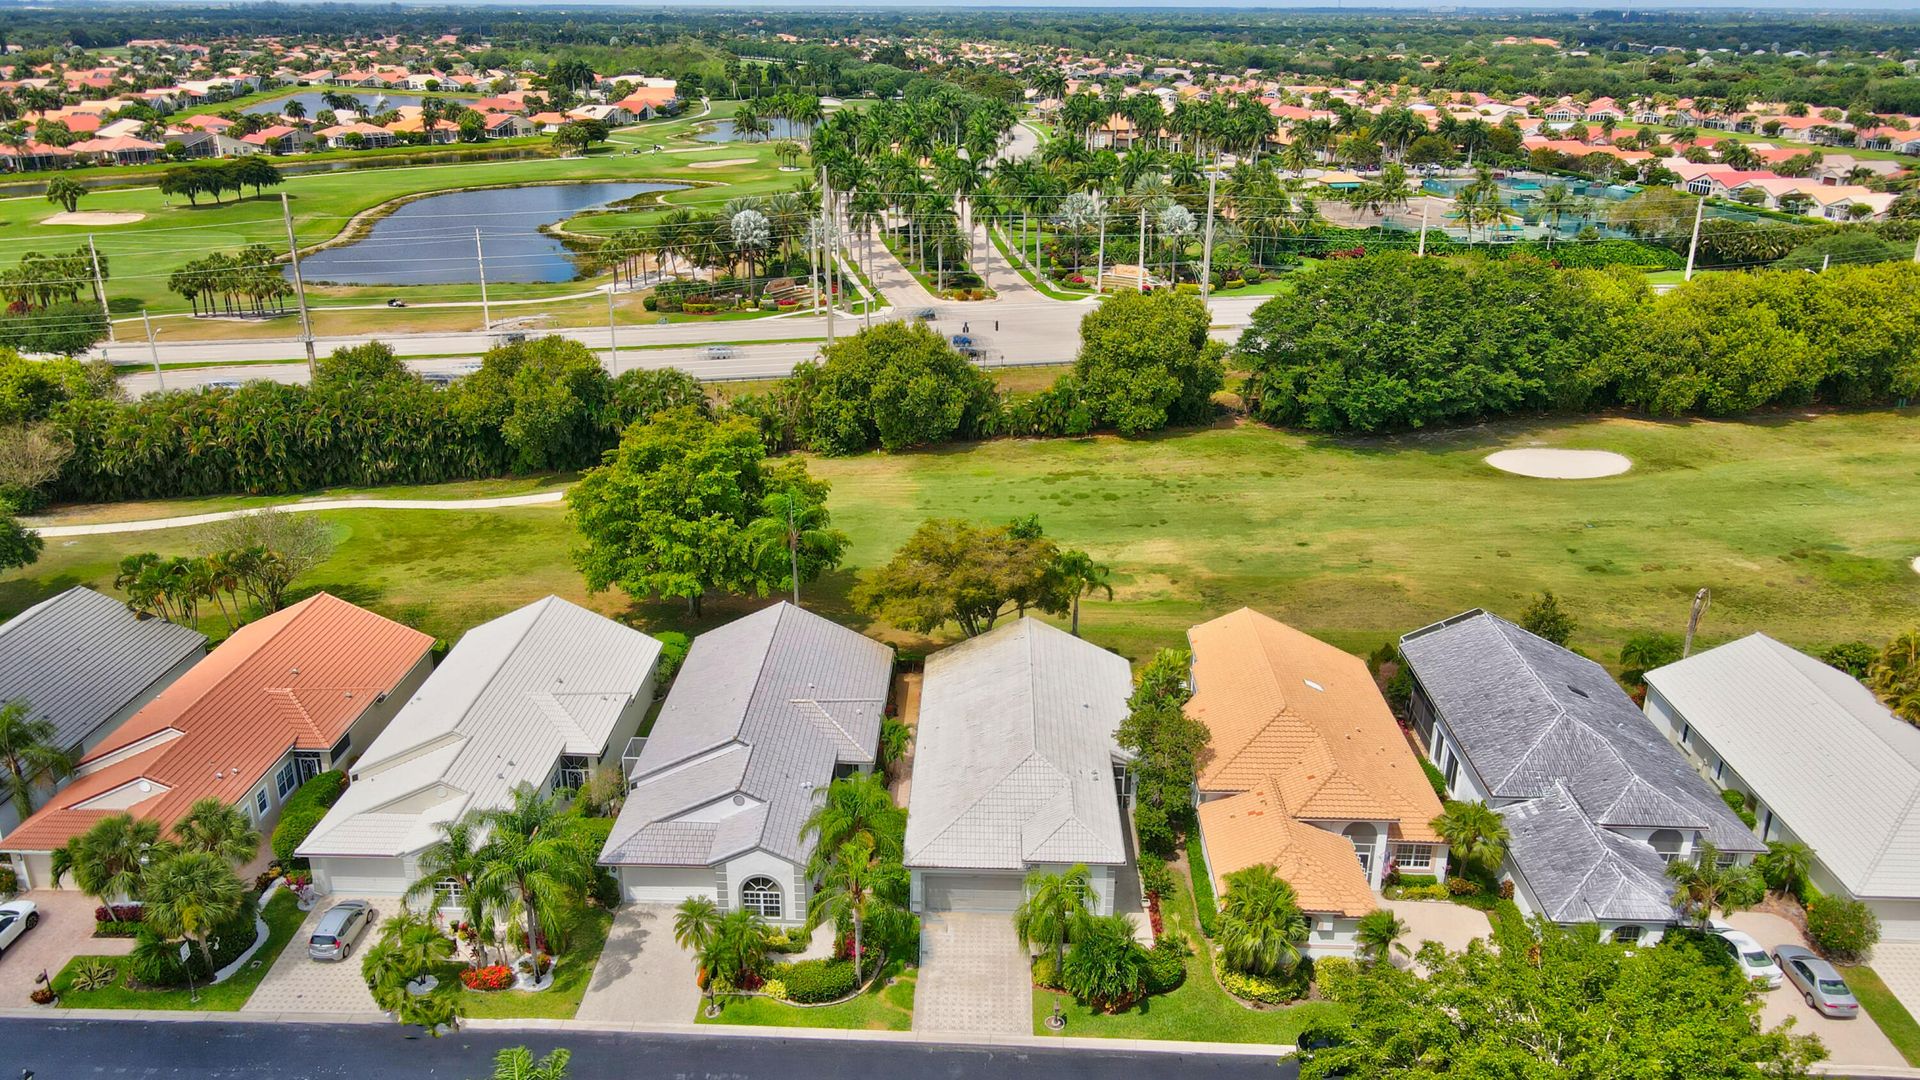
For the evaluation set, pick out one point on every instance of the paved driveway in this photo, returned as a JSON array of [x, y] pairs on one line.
[[1898, 965], [65, 931], [298, 983], [1452, 925], [974, 976], [642, 974], [1857, 1042]]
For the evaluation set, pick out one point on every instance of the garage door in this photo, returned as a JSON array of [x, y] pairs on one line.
[[360, 877], [973, 892]]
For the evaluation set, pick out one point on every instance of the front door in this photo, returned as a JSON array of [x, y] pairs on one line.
[[309, 766]]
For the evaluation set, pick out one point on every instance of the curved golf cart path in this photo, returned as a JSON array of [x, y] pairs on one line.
[[155, 524]]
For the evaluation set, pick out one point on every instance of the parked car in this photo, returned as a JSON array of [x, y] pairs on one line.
[[439, 380], [16, 918], [961, 341], [224, 384], [926, 314], [1748, 953], [721, 352], [1819, 984], [338, 929]]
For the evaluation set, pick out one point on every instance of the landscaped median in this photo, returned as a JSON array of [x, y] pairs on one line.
[[283, 917], [571, 974]]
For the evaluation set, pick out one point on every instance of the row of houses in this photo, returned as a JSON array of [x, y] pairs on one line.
[[1016, 764]]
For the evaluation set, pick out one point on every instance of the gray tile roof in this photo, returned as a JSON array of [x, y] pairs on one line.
[[1581, 872], [79, 658], [1538, 722], [758, 717], [1014, 752]]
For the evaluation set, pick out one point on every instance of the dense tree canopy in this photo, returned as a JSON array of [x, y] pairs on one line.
[[955, 571], [1146, 362], [896, 385]]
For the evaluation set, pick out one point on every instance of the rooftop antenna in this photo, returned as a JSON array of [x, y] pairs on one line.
[[1702, 600]]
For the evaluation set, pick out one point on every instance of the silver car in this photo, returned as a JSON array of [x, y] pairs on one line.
[[1824, 990], [338, 929]]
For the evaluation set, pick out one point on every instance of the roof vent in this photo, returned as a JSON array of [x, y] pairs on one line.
[[1315, 685], [295, 671], [349, 695], [739, 800]]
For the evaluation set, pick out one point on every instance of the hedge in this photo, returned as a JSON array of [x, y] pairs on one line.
[[1203, 905], [810, 982], [302, 812]]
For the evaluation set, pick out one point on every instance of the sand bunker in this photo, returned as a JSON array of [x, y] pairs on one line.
[[1916, 564], [1560, 464], [92, 217], [720, 164]]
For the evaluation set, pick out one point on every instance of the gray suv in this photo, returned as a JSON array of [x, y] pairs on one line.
[[339, 928]]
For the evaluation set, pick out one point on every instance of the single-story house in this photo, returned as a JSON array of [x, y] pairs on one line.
[[121, 150], [1016, 769], [281, 139], [764, 714], [1824, 762], [34, 156], [544, 695], [1596, 801], [85, 664], [507, 126], [300, 691], [1307, 771], [371, 135]]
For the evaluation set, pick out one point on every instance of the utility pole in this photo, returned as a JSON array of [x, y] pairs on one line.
[[100, 286], [1143, 248], [299, 286], [1701, 601], [1693, 246], [1100, 259], [613, 344], [159, 381], [1424, 203], [1206, 239], [480, 256]]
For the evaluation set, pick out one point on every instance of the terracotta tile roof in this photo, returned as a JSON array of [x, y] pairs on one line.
[[297, 679], [1285, 707], [1254, 828]]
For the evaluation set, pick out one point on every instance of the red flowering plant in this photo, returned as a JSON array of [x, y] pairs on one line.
[[493, 977]]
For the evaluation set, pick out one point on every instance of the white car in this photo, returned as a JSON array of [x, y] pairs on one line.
[[16, 918], [1752, 956]]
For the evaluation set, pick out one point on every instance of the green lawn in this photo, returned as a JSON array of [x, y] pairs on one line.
[[1199, 1011], [1787, 519], [1895, 1022], [559, 1001], [283, 916], [886, 1005]]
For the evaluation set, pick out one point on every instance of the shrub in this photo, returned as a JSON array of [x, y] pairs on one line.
[[1278, 989], [488, 979], [111, 929], [9, 881], [810, 982], [302, 813], [673, 653], [792, 940], [1506, 889], [121, 912], [1435, 777], [1203, 904], [1155, 878], [1150, 824], [94, 974], [774, 988], [1435, 891], [1044, 973], [1166, 965], [1460, 886], [1844, 930]]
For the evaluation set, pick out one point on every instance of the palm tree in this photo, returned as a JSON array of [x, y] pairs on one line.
[[855, 807], [454, 858], [1701, 884], [1378, 935], [693, 923], [1261, 926], [1084, 577], [859, 888], [1053, 909], [30, 755], [1784, 865], [109, 861], [1475, 834], [1557, 201], [188, 895], [739, 946], [410, 947], [517, 1063], [788, 528], [213, 827], [535, 858], [65, 192]]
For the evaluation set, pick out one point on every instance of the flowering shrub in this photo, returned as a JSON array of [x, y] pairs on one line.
[[1460, 886], [1153, 914], [1356, 252], [299, 879], [119, 912], [494, 977]]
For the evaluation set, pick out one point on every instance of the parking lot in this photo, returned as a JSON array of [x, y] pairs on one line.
[[1857, 1042]]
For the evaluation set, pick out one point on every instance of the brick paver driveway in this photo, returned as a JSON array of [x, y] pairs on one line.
[[1858, 1042], [65, 931], [974, 977], [642, 974], [299, 983]]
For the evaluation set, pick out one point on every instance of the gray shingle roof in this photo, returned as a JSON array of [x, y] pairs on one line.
[[760, 714], [79, 657], [1013, 756], [1581, 872]]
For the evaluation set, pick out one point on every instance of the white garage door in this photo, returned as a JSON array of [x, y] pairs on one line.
[[665, 884], [361, 877], [973, 892]]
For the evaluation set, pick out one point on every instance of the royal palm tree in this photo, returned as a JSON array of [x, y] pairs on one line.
[[1053, 909], [110, 859], [214, 827], [1475, 835], [1084, 577], [188, 895], [536, 859], [1378, 935], [793, 530], [1701, 885], [854, 808], [30, 755], [1261, 926]]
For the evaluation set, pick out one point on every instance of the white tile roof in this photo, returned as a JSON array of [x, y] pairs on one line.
[[513, 696], [1841, 771], [1014, 754]]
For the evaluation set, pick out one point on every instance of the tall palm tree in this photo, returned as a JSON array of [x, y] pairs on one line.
[[1378, 935], [1084, 577], [188, 895], [854, 808], [216, 828], [454, 857], [1054, 906], [109, 861], [535, 858], [859, 888], [30, 755], [792, 529], [1475, 835], [1261, 926]]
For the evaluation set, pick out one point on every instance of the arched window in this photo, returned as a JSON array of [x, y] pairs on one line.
[[1666, 842], [1627, 935], [1362, 834], [761, 895]]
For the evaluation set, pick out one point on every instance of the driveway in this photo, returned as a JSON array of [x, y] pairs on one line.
[[1898, 965], [974, 976], [642, 974], [1857, 1042], [1452, 925], [64, 932], [298, 983]]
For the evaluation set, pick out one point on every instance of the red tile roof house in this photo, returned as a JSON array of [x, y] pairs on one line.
[[295, 693]]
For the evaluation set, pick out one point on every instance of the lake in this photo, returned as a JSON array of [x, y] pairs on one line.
[[430, 241], [777, 129], [314, 102]]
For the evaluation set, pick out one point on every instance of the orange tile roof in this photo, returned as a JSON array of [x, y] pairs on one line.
[[1285, 707], [296, 679], [1254, 827]]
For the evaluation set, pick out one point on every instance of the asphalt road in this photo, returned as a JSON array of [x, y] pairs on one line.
[[105, 1050]]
